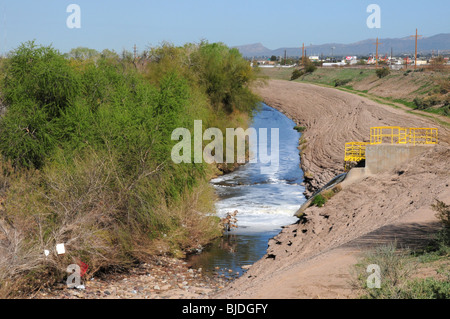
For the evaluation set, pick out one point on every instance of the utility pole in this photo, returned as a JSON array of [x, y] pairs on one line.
[[135, 52], [285, 57], [377, 43], [415, 55], [303, 53]]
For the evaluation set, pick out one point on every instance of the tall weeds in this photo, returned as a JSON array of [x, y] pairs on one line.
[[85, 157]]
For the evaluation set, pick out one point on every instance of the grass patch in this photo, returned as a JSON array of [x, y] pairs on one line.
[[321, 199], [337, 76], [400, 267], [276, 73]]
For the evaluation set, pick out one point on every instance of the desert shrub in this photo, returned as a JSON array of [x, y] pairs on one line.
[[299, 128], [396, 268], [341, 82], [399, 265], [444, 85], [442, 212], [425, 103], [438, 63], [428, 288], [310, 68], [319, 201], [422, 104], [296, 74], [383, 72]]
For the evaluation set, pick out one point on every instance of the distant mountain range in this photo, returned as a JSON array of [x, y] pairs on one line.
[[399, 46]]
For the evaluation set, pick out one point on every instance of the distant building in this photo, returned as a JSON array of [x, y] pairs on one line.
[[334, 64], [422, 62], [266, 62]]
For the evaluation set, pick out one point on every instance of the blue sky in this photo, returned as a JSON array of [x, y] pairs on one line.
[[118, 25]]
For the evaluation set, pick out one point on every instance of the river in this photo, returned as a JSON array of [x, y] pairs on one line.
[[265, 201]]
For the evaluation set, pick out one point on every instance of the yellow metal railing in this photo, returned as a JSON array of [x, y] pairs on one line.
[[392, 135], [356, 151], [423, 136], [402, 135]]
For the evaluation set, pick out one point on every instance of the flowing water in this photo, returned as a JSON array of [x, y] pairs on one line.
[[265, 201]]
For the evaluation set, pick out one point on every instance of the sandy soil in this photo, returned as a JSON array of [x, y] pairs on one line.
[[399, 86], [333, 118], [314, 258]]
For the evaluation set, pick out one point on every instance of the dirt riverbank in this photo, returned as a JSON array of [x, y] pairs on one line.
[[313, 259], [160, 278]]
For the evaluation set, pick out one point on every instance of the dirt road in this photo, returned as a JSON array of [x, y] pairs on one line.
[[313, 258]]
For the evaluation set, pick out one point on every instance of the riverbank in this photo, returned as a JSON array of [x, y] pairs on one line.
[[159, 278], [421, 91], [332, 118], [313, 259], [264, 203]]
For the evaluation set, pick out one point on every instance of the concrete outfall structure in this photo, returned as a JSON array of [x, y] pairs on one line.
[[379, 158]]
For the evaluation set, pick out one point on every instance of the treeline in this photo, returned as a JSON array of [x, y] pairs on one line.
[[85, 147]]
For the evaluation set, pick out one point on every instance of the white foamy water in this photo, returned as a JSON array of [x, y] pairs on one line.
[[265, 202]]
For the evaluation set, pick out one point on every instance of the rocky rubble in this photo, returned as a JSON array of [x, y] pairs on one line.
[[162, 278]]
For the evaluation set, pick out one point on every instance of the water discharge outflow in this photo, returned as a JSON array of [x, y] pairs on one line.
[[265, 202]]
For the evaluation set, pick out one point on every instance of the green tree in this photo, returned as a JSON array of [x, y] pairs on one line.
[[226, 75], [109, 54], [39, 85], [296, 74], [82, 53], [383, 72]]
